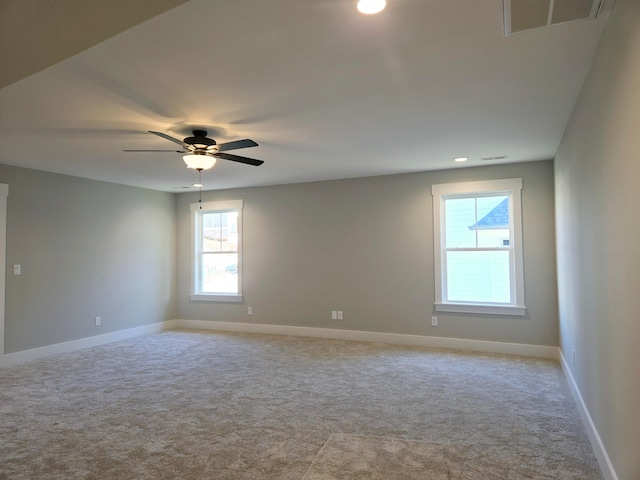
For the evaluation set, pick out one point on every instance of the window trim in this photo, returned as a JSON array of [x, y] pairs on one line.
[[509, 186], [196, 235]]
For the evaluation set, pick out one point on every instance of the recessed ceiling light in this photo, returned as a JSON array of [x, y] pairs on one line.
[[198, 185], [370, 7], [460, 159]]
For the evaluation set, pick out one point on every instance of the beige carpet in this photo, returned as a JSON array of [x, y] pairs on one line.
[[197, 405]]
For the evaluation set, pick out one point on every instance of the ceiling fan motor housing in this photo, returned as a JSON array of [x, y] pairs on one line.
[[200, 141]]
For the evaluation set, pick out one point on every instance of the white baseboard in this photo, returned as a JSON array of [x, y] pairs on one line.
[[392, 338], [598, 447], [337, 334], [37, 353]]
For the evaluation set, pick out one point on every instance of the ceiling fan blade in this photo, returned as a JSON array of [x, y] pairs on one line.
[[239, 159], [246, 143], [164, 135], [172, 151]]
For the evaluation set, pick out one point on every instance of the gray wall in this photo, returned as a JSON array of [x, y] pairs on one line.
[[365, 246], [598, 226], [87, 249]]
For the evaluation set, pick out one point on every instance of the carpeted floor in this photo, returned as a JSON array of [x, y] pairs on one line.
[[197, 405]]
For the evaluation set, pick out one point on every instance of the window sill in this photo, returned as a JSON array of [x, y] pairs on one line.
[[483, 309], [215, 297]]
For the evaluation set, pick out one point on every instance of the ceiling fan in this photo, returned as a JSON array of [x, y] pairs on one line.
[[202, 152]]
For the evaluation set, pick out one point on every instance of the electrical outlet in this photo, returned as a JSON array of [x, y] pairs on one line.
[[17, 270], [249, 310], [98, 321], [340, 315], [434, 321], [334, 315]]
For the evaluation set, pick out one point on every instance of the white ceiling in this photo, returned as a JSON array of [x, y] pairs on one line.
[[325, 91]]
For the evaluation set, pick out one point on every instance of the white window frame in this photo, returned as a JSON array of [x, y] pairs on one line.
[[197, 209], [511, 187]]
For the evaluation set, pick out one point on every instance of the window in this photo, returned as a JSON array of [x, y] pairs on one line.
[[478, 247], [217, 251]]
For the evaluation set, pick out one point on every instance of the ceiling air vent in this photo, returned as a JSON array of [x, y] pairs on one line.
[[488, 159], [522, 15]]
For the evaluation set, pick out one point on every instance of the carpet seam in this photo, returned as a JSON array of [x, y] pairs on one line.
[[317, 454]]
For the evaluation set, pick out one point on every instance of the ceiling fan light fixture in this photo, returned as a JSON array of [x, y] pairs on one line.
[[199, 161], [369, 7]]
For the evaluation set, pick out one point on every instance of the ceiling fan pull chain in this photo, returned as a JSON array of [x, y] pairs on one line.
[[200, 188]]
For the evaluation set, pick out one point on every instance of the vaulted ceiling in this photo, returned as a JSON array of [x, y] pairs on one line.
[[326, 92]]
